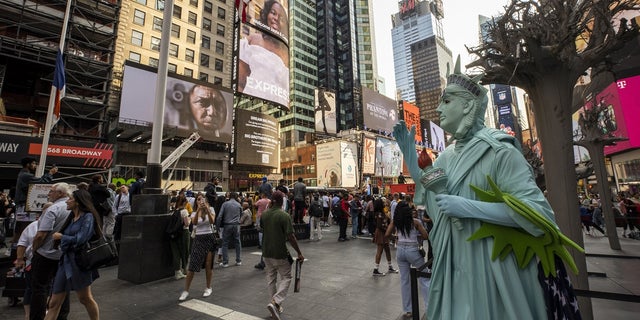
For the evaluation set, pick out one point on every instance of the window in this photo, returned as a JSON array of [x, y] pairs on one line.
[[175, 30], [220, 30], [217, 80], [208, 7], [173, 49], [142, 2], [204, 60], [188, 72], [203, 77], [193, 18], [218, 65], [172, 67], [189, 54], [219, 47], [222, 13], [191, 36], [157, 24], [153, 62], [135, 57], [223, 1], [193, 3], [138, 17], [206, 24], [136, 37], [160, 5], [206, 42], [155, 44], [177, 12]]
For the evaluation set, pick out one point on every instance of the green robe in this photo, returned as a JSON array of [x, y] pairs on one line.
[[466, 283]]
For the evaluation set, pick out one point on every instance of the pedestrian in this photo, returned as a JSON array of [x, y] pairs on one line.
[[100, 196], [109, 220], [410, 235], [229, 219], [266, 187], [81, 226], [315, 220], [246, 218], [261, 205], [380, 238], [27, 176], [44, 264], [299, 194], [342, 216], [326, 201], [355, 207], [137, 186], [122, 208], [212, 189], [179, 238], [203, 248], [278, 228]]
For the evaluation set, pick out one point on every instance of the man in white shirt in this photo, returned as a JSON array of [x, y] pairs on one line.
[[121, 207], [325, 208]]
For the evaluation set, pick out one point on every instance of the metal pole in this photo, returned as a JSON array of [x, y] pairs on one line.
[[154, 164], [52, 97], [415, 308]]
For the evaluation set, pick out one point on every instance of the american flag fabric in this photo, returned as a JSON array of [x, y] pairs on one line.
[[559, 296], [59, 84]]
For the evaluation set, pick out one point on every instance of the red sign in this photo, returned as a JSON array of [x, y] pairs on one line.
[[100, 156], [403, 188]]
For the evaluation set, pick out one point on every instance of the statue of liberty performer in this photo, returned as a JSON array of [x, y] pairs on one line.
[[498, 253]]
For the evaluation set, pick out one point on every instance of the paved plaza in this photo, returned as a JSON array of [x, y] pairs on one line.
[[336, 284]]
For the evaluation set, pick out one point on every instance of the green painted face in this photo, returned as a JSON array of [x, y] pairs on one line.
[[453, 109]]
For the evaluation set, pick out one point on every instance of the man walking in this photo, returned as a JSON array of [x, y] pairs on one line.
[[299, 193], [45, 255], [229, 221], [277, 230]]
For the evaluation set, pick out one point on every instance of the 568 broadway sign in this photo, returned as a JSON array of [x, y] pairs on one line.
[[65, 152]]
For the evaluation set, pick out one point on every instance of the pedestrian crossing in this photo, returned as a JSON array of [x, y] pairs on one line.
[[216, 311]]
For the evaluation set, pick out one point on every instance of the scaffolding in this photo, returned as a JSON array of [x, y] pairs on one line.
[[29, 36]]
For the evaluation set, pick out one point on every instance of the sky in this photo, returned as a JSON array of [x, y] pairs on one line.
[[460, 25]]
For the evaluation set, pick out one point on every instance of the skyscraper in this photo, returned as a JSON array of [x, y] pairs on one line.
[[420, 54]]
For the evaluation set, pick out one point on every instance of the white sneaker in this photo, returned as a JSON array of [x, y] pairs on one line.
[[224, 265], [184, 296], [239, 263], [179, 275], [207, 292]]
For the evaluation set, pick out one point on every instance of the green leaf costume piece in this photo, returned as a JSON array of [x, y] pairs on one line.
[[524, 245]]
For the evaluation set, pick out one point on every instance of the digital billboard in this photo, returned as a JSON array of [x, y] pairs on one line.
[[329, 164], [627, 111], [388, 158], [369, 156], [325, 111], [189, 105], [67, 153], [379, 112], [411, 116], [436, 137], [263, 66], [257, 139], [501, 94]]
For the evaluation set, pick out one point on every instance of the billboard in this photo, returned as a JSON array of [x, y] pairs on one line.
[[379, 112], [436, 137], [505, 119], [68, 153], [189, 105], [329, 164], [263, 66], [411, 116], [388, 158], [501, 94], [349, 164], [257, 139], [325, 111], [626, 111], [369, 156]]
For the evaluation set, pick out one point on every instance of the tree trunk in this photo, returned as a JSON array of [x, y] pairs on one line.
[[552, 109], [596, 152]]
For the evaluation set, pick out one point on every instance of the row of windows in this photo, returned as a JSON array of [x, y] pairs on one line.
[[173, 68], [139, 18], [137, 38]]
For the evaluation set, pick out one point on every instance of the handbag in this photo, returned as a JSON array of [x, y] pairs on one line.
[[96, 253]]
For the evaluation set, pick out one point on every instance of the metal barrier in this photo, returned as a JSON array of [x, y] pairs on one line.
[[414, 274]]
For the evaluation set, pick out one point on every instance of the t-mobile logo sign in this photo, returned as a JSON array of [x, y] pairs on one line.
[[622, 84]]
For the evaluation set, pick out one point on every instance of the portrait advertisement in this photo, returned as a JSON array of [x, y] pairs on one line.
[[325, 111], [263, 66], [189, 105]]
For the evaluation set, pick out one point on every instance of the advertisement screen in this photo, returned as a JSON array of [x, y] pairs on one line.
[[501, 94], [65, 153], [380, 112], [257, 139], [369, 156], [325, 111], [349, 159], [388, 158], [329, 164], [411, 116], [436, 137], [189, 106], [505, 119], [627, 111], [263, 66]]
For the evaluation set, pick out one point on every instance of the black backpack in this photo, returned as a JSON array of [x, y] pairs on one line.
[[336, 209], [174, 225], [316, 209]]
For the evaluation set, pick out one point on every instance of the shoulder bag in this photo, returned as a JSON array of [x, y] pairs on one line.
[[96, 252]]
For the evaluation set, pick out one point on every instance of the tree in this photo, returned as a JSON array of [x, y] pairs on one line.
[[543, 47]]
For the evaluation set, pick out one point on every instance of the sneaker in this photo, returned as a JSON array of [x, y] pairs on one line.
[[377, 273], [392, 270], [207, 292], [224, 265], [184, 295], [179, 275], [275, 310], [259, 265], [239, 263]]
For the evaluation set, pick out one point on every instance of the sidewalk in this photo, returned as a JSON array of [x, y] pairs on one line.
[[336, 284]]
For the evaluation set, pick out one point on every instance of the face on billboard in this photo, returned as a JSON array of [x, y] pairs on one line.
[[189, 106], [325, 111], [263, 66]]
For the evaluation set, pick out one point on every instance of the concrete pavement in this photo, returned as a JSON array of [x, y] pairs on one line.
[[336, 284]]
